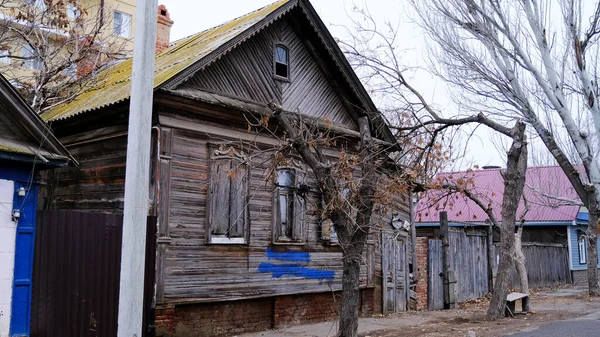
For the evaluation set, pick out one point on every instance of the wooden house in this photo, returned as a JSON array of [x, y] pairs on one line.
[[27, 146], [240, 247]]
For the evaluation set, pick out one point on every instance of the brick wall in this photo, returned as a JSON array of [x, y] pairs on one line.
[[422, 265], [235, 317]]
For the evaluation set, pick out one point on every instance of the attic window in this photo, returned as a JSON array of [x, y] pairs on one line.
[[281, 62]]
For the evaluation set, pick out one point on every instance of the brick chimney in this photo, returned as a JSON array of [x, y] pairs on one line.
[[163, 30]]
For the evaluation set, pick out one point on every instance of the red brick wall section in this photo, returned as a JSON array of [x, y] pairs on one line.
[[422, 265], [235, 317]]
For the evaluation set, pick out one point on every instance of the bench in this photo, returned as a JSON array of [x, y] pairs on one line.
[[511, 301]]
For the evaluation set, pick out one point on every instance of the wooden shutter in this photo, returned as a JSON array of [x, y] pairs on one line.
[[220, 183], [237, 215], [299, 217]]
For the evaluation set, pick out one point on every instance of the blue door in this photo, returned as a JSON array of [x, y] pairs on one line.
[[21, 298]]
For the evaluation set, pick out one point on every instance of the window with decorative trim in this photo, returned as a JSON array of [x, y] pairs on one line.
[[282, 69], [581, 244], [289, 211], [227, 196]]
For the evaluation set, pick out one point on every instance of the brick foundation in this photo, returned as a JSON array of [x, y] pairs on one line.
[[235, 317], [423, 272]]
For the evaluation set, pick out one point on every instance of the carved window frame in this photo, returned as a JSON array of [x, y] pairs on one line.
[[299, 216], [219, 154]]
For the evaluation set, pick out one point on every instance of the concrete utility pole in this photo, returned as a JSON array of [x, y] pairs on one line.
[[137, 175]]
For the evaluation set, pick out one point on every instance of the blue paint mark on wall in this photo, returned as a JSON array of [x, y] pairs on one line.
[[279, 270], [297, 268], [301, 257]]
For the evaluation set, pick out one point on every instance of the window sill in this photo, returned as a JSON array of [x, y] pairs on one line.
[[281, 78], [227, 241], [289, 243]]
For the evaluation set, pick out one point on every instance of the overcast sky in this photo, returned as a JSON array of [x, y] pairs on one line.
[[194, 16]]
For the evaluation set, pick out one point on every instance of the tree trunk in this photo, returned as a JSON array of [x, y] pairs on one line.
[[592, 251], [348, 325], [514, 182], [521, 269]]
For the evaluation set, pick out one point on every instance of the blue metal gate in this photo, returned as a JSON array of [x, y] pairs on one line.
[[25, 205]]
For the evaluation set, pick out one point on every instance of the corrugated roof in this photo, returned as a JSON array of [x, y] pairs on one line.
[[114, 83], [542, 185]]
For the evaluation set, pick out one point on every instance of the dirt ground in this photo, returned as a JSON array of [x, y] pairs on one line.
[[549, 305]]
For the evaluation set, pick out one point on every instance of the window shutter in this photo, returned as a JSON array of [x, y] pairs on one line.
[[220, 198], [238, 200], [299, 215]]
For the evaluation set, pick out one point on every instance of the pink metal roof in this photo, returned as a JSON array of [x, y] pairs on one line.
[[542, 186]]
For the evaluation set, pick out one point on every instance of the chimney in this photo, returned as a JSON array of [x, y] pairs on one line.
[[163, 29]]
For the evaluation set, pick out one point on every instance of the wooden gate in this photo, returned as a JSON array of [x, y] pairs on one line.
[[468, 260], [76, 274], [435, 296], [395, 270]]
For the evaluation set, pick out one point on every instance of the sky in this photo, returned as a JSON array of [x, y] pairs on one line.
[[194, 16]]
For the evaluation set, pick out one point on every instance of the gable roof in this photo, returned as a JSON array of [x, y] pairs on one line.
[[30, 138], [189, 55], [114, 83], [542, 186]]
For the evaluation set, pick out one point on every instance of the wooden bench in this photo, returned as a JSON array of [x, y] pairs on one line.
[[511, 301]]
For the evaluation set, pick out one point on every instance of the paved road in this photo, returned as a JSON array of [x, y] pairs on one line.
[[585, 326]]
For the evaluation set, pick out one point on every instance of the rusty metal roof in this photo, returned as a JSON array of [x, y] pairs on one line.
[[114, 83]]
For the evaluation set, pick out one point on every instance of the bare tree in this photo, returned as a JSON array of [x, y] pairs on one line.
[[534, 60], [510, 243], [363, 181], [51, 50]]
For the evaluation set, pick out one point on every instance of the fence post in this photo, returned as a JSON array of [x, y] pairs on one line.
[[448, 275], [490, 256]]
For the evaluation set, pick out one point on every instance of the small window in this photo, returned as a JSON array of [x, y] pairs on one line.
[[36, 3], [70, 72], [581, 243], [281, 62], [31, 58], [72, 12], [122, 24], [289, 207], [4, 56], [228, 209]]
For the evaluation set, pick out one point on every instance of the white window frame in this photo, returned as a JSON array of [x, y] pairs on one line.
[[4, 56], [122, 26], [72, 12], [582, 246], [35, 64]]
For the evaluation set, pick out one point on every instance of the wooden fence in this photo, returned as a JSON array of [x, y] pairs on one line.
[[76, 274], [547, 265]]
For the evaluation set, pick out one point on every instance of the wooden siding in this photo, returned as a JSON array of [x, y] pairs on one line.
[[575, 248], [98, 183], [547, 265], [195, 271], [247, 73]]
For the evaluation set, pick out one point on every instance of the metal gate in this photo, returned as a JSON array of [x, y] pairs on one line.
[[395, 271], [76, 274]]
